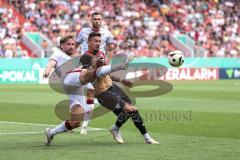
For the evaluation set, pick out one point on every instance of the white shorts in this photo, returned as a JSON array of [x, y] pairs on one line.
[[75, 90]]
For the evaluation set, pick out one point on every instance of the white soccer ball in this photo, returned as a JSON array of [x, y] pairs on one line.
[[176, 58]]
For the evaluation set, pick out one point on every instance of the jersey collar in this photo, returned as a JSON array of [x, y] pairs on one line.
[[95, 30], [91, 53]]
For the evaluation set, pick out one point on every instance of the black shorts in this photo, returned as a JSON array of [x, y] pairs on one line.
[[113, 98]]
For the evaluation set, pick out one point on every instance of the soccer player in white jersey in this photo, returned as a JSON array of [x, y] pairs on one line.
[[76, 79], [106, 36], [107, 43]]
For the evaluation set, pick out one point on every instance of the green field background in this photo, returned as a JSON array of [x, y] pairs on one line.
[[208, 127]]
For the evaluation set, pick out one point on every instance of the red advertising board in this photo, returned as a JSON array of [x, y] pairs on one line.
[[176, 74], [191, 74]]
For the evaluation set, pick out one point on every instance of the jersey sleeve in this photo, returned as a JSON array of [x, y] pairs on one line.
[[54, 57], [80, 37], [110, 38]]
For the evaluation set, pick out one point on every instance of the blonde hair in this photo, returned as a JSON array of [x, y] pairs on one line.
[[66, 38]]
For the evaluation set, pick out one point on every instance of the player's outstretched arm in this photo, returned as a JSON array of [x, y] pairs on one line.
[[51, 64]]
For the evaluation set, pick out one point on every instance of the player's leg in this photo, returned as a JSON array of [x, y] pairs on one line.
[[75, 92], [91, 74], [107, 69], [72, 87], [89, 106], [135, 116], [75, 89], [77, 113], [122, 117], [112, 102], [138, 122], [86, 120]]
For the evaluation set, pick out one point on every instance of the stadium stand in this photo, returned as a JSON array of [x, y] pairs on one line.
[[213, 25]]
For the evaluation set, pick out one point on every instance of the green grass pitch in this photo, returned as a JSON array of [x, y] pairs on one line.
[[197, 120]]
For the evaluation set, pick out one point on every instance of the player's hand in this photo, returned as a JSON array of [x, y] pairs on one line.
[[45, 75], [129, 108], [127, 83]]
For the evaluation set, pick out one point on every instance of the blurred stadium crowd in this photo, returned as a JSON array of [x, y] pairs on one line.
[[213, 24]]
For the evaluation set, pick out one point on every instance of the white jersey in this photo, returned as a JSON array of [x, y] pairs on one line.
[[71, 82], [60, 58], [82, 38]]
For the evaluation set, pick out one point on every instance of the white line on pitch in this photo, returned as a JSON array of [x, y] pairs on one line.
[[18, 133], [22, 123], [40, 124]]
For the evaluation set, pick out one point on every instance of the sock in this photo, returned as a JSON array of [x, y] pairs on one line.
[[59, 129], [107, 69], [104, 70], [146, 136], [88, 113], [114, 127], [122, 118], [85, 123], [87, 117], [138, 122]]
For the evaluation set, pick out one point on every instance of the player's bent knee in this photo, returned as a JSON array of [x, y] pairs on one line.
[[75, 124], [127, 104], [129, 108]]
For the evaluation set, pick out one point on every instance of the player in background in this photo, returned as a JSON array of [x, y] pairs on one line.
[[94, 42], [107, 47], [73, 81], [107, 41]]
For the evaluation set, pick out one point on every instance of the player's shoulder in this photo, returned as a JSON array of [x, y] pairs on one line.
[[59, 54], [86, 29], [105, 29], [106, 32], [56, 52]]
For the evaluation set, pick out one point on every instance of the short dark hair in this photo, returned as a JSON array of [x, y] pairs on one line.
[[96, 13], [85, 61], [93, 34], [66, 38]]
